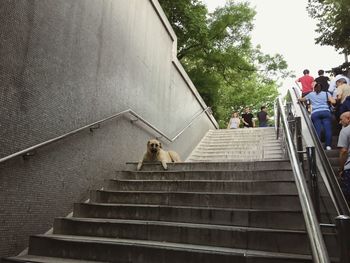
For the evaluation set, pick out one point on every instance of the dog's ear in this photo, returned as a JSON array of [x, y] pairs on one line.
[[148, 142], [160, 145]]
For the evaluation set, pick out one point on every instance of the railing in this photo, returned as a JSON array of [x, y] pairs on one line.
[[318, 163], [97, 123], [329, 176], [318, 248]]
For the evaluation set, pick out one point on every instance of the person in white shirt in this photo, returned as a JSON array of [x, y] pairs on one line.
[[234, 121], [332, 85]]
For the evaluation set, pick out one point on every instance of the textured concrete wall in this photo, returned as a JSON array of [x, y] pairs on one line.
[[65, 64]]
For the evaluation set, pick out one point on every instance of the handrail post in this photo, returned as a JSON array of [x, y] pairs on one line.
[[313, 180], [343, 229], [278, 124], [290, 118], [299, 141]]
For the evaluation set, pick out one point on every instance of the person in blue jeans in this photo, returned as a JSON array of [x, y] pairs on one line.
[[321, 115]]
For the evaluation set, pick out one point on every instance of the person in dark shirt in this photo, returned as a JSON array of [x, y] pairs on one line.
[[263, 117], [323, 80], [247, 119]]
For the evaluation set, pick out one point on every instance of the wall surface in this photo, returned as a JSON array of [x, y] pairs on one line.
[[65, 64]]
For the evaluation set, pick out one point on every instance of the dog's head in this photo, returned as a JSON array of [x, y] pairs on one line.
[[153, 146]]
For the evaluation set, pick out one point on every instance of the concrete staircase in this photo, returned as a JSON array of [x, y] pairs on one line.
[[205, 212], [238, 145]]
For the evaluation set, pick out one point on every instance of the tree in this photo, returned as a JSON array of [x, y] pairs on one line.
[[333, 22], [216, 51]]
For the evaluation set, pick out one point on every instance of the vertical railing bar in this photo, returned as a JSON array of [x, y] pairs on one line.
[[313, 179]]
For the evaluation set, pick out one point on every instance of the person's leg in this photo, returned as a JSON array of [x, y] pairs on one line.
[[327, 126], [307, 102], [316, 120]]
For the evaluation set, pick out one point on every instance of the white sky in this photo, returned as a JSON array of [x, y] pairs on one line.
[[284, 27]]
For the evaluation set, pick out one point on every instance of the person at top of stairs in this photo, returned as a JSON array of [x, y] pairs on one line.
[[338, 73], [306, 83], [234, 121], [323, 80], [263, 117], [247, 118]]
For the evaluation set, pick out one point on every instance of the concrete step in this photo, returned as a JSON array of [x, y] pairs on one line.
[[241, 131], [244, 157], [40, 259], [240, 139], [283, 202], [243, 186], [268, 130], [264, 175], [235, 159], [334, 161], [333, 153], [237, 154], [239, 144], [143, 251], [213, 166], [235, 137], [234, 148], [289, 219], [264, 239]]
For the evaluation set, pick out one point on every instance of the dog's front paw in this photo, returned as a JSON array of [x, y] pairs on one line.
[[139, 166], [165, 166]]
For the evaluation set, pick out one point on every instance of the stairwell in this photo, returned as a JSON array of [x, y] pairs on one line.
[[234, 200]]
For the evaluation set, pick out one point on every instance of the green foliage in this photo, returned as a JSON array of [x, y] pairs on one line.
[[333, 22], [216, 51]]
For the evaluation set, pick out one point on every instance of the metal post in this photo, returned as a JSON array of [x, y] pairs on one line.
[[299, 139], [288, 109], [290, 118], [313, 180], [346, 56], [278, 124], [343, 228]]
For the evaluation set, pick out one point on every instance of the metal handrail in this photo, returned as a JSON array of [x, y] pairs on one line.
[[339, 201], [318, 247], [92, 125]]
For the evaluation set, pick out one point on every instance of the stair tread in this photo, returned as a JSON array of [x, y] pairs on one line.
[[42, 259], [232, 163], [195, 207], [202, 193], [204, 181], [182, 224], [201, 171], [175, 246]]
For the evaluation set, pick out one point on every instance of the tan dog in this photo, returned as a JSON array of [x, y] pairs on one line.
[[156, 153]]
